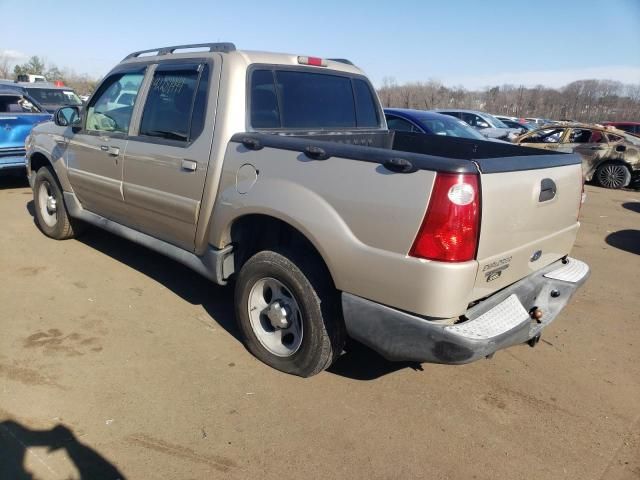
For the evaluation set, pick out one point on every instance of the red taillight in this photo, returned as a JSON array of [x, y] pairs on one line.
[[449, 231]]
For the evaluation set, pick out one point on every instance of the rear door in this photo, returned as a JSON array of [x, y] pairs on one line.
[[95, 153], [168, 152], [591, 145]]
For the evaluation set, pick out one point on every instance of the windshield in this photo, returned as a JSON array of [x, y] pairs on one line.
[[55, 96], [449, 126], [495, 121], [17, 104]]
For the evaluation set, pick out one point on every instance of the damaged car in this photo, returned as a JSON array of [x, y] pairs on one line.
[[610, 157], [18, 114]]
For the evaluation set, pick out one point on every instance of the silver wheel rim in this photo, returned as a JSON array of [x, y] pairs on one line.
[[275, 317], [612, 176], [47, 204]]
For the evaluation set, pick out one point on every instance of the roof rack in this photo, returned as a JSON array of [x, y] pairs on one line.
[[341, 60], [224, 47]]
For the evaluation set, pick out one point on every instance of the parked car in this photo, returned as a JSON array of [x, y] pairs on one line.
[[514, 122], [629, 127], [50, 96], [484, 122], [18, 114], [540, 121], [421, 121], [278, 172], [610, 157]]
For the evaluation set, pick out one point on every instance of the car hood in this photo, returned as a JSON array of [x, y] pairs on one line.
[[14, 128]]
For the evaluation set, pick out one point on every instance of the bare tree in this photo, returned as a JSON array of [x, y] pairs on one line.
[[584, 100]]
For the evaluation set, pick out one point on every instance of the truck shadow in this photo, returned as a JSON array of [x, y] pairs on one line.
[[9, 181], [358, 362], [633, 206], [184, 282], [361, 363], [627, 240], [16, 439]]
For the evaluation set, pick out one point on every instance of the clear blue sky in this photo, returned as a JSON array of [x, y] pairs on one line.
[[470, 43]]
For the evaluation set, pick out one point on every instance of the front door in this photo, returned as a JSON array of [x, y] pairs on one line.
[[95, 153], [167, 155]]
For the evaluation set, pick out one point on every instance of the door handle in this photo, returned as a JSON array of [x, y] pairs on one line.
[[113, 151], [189, 165]]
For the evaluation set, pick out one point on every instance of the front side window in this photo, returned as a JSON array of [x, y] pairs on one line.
[[295, 99], [171, 103], [17, 104], [548, 135], [105, 113], [399, 124]]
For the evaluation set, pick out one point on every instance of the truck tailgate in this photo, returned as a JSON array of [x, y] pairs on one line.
[[529, 220]]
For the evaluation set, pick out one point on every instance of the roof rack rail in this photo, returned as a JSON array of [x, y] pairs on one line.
[[341, 60], [224, 47]]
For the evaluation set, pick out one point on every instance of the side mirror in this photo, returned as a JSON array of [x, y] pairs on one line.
[[621, 148], [482, 125], [68, 117]]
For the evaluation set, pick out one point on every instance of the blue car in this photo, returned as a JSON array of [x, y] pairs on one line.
[[18, 114], [420, 121]]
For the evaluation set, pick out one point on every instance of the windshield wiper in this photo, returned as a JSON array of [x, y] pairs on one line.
[[169, 134]]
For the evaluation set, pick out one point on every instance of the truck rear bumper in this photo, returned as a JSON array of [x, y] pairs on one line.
[[498, 322]]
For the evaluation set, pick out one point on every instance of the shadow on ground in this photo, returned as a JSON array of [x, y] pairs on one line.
[[8, 181], [359, 362], [627, 240], [633, 206], [15, 439]]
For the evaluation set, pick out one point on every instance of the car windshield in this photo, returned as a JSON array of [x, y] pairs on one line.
[[495, 121], [17, 104], [55, 96], [449, 126]]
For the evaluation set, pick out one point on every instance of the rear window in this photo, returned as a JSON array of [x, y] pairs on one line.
[[176, 102], [294, 99]]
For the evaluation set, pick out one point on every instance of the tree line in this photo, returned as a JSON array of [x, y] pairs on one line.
[[582, 100], [83, 84]]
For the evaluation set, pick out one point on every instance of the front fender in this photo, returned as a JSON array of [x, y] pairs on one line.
[[51, 146]]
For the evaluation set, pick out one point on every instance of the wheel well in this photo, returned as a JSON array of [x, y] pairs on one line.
[[253, 233], [38, 160]]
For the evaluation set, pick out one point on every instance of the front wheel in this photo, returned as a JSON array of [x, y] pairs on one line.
[[288, 313], [613, 175], [50, 211]]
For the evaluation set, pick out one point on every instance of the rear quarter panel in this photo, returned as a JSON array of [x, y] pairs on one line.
[[361, 217]]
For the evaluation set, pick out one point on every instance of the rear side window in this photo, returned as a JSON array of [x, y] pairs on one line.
[[176, 102], [294, 99]]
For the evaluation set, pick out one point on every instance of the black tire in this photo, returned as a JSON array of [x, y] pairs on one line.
[[323, 332], [55, 224], [613, 175]]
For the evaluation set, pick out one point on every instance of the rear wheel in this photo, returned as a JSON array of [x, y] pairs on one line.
[[50, 211], [613, 175], [288, 312]]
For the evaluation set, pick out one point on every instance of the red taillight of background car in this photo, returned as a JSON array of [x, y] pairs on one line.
[[451, 226]]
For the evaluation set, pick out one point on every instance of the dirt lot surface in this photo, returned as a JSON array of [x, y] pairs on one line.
[[117, 362]]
